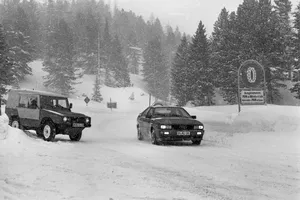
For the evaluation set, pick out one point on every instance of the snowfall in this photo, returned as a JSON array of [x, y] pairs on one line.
[[254, 154]]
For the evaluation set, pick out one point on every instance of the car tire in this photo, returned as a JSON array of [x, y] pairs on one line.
[[139, 134], [153, 137], [196, 142], [76, 136], [15, 123], [48, 131]]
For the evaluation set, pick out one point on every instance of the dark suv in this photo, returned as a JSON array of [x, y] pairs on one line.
[[47, 113]]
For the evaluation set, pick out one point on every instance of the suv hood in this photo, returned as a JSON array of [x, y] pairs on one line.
[[177, 120], [65, 113]]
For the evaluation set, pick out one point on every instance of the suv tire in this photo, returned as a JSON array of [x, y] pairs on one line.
[[48, 131], [76, 136], [15, 123]]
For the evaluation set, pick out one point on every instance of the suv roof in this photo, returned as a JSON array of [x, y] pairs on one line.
[[27, 91]]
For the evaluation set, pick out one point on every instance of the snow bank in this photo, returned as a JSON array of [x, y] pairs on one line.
[[270, 118], [3, 126]]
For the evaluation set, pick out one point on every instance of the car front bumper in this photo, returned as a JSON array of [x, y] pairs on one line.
[[172, 135]]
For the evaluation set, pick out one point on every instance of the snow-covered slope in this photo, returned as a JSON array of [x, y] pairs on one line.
[[250, 155]]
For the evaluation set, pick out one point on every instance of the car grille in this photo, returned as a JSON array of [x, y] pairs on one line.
[[183, 127]]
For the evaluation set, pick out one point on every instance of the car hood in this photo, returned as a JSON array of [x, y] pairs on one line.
[[65, 113], [177, 120]]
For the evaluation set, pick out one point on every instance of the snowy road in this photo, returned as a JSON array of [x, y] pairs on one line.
[[110, 162]]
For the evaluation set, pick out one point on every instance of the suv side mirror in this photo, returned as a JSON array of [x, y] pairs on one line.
[[71, 105], [194, 116]]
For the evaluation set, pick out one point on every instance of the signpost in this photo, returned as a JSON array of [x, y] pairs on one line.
[[253, 91], [87, 100], [111, 104]]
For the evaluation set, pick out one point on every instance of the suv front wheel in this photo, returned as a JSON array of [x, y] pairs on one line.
[[48, 131], [75, 136]]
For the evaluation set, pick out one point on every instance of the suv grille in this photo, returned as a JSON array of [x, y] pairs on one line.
[[78, 119]]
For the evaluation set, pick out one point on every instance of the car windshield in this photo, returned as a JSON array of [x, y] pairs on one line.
[[55, 102], [170, 112]]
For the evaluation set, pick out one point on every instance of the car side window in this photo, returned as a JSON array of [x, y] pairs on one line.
[[145, 112], [150, 113]]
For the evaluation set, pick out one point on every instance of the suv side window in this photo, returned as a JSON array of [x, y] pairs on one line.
[[150, 113], [23, 101], [32, 103]]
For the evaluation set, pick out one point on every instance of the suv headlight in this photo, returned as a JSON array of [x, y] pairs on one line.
[[87, 120], [198, 127], [65, 119], [165, 126]]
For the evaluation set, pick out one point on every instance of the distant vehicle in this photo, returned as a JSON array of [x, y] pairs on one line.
[[47, 113], [169, 123]]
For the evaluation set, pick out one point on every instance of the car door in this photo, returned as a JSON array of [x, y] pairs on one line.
[[148, 120], [142, 120], [28, 110]]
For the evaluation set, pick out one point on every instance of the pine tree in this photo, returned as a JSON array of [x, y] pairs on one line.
[[97, 95], [283, 10], [224, 55], [92, 29], [180, 67], [7, 75], [296, 87], [106, 57], [119, 64], [200, 72], [17, 35], [155, 71], [59, 60]]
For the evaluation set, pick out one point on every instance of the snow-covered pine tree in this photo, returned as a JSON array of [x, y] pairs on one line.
[[200, 71], [224, 55], [92, 28], [17, 35], [155, 70], [296, 77], [179, 70], [7, 74], [119, 64], [283, 10], [106, 51], [59, 60], [97, 94]]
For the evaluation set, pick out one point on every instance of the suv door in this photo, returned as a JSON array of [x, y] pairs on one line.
[[28, 110]]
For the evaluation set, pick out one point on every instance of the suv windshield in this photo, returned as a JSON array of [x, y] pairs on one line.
[[54, 102], [170, 112]]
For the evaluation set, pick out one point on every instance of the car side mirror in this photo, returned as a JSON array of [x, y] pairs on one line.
[[71, 105], [194, 116]]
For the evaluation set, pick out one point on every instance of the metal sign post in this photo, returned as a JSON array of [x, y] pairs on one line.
[[252, 94]]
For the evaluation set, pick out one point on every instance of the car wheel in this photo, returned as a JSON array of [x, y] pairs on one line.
[[48, 131], [15, 123], [76, 136], [153, 137], [196, 142], [139, 134]]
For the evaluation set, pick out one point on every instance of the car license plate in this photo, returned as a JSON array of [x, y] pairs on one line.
[[183, 133], [78, 125]]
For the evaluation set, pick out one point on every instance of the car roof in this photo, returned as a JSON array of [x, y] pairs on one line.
[[38, 92]]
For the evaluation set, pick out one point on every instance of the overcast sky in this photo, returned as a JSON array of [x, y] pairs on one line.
[[186, 14]]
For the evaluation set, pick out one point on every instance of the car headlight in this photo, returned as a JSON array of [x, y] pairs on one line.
[[198, 127], [87, 120], [65, 119], [165, 126]]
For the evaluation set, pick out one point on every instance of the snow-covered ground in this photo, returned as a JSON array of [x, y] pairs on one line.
[[251, 155]]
